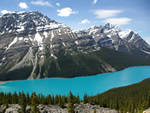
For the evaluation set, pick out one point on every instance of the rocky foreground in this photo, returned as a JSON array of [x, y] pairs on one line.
[[79, 108]]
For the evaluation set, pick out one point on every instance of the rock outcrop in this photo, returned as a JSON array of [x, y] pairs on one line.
[[79, 108]]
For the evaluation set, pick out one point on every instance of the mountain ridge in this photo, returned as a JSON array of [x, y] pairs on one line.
[[45, 48]]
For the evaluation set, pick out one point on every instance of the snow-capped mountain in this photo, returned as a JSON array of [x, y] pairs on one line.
[[33, 42], [113, 37]]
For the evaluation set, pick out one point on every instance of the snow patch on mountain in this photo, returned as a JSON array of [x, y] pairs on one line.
[[13, 42], [38, 38], [132, 38], [124, 34], [45, 34], [52, 35], [145, 51]]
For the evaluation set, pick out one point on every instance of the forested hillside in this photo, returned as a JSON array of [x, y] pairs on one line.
[[81, 64], [133, 99]]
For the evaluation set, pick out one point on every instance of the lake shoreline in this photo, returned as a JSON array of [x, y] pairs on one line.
[[3, 82], [79, 85]]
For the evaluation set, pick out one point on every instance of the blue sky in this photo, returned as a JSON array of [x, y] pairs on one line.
[[81, 14]]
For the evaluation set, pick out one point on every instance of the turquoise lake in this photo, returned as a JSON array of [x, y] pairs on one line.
[[79, 85]]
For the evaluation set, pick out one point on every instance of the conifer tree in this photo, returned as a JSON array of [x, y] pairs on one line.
[[19, 98], [56, 99], [9, 98], [44, 100], [49, 99], [5, 102], [71, 104], [91, 100], [78, 99], [64, 99], [52, 99], [22, 103], [34, 103], [61, 104], [28, 99], [85, 99], [14, 98]]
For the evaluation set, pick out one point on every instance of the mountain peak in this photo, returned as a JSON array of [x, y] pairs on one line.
[[109, 26], [20, 12], [20, 21]]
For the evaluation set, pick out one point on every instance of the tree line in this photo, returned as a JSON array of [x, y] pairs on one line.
[[132, 99], [34, 100]]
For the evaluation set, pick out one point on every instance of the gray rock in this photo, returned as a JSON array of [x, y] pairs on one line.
[[79, 108], [28, 109], [13, 108]]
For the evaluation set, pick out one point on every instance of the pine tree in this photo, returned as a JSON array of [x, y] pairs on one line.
[[85, 99], [34, 103], [14, 98], [5, 100], [19, 98], [49, 98], [9, 98], [56, 100], [22, 103], [44, 100], [61, 104], [78, 99], [28, 99], [52, 99], [64, 99], [91, 100], [71, 104]]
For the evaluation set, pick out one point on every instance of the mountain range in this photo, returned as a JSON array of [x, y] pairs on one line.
[[34, 46]]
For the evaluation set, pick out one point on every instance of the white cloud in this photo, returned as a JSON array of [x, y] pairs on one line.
[[58, 4], [23, 5], [95, 1], [4, 12], [65, 12], [41, 3], [101, 13], [118, 21], [85, 21]]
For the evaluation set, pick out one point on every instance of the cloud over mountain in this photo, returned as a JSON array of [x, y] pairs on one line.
[[4, 12], [65, 12], [102, 13], [41, 3], [23, 5], [118, 21], [85, 21]]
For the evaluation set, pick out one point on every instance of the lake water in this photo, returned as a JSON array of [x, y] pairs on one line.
[[91, 84]]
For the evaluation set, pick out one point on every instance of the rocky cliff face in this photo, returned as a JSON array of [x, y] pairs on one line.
[[36, 44]]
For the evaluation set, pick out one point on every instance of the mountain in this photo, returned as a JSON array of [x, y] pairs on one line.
[[34, 46], [126, 41]]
